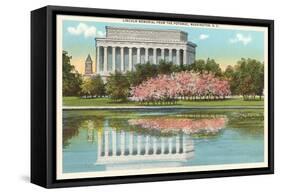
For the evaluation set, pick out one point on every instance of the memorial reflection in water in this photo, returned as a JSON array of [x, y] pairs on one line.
[[102, 141], [132, 148]]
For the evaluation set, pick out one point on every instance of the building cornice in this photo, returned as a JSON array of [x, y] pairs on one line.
[[146, 29]]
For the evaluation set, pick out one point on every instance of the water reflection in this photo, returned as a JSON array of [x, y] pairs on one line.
[[98, 141], [188, 126], [116, 148], [90, 131]]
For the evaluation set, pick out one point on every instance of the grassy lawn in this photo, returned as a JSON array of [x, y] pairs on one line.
[[76, 101]]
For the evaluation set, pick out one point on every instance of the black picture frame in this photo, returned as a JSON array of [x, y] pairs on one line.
[[43, 96]]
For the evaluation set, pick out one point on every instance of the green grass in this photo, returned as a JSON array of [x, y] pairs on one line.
[[76, 101]]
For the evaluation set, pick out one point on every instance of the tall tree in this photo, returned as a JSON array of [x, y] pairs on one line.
[[213, 67], [72, 80], [93, 87], [165, 67], [229, 71], [87, 87], [209, 66], [197, 66], [118, 86], [142, 73], [98, 86], [260, 81], [232, 76], [249, 80]]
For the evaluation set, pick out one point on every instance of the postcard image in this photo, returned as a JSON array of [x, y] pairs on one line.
[[139, 97]]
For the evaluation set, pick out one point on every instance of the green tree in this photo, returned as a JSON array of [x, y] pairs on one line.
[[142, 72], [165, 67], [213, 67], [98, 86], [229, 72], [208, 66], [93, 87], [250, 81], [72, 80], [87, 87], [118, 86], [198, 66], [260, 81], [232, 76], [178, 68]]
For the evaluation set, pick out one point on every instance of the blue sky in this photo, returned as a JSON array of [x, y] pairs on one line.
[[226, 46]]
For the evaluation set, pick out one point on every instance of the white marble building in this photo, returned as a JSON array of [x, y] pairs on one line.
[[123, 48]]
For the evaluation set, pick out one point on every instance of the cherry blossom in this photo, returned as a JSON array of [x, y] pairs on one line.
[[168, 88]]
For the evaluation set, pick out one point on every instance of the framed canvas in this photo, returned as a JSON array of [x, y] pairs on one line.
[[127, 96]]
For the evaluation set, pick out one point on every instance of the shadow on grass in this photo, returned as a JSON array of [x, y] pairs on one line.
[[111, 101]]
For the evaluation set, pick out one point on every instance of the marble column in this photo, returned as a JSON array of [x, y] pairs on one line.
[[122, 144], [154, 145], [113, 134], [163, 54], [138, 55], [154, 55], [177, 144], [100, 143], [131, 143], [139, 145], [106, 143], [170, 55], [162, 145], [170, 145], [178, 56], [184, 57], [184, 143], [113, 59], [146, 55], [105, 59], [130, 59], [98, 60], [146, 144], [122, 59]]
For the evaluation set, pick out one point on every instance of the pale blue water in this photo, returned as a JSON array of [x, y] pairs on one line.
[[239, 141]]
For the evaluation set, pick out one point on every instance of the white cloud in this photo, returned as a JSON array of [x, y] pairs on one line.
[[84, 29], [203, 36], [101, 34], [240, 38]]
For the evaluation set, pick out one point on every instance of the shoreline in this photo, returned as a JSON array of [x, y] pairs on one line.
[[156, 107]]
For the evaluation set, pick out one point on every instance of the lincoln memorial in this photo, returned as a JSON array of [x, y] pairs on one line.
[[123, 48]]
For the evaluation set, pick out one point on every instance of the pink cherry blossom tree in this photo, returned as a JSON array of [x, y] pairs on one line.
[[168, 88]]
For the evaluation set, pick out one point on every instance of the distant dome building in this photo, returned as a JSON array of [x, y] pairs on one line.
[[88, 65]]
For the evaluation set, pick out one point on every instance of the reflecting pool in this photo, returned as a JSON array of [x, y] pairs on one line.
[[101, 140]]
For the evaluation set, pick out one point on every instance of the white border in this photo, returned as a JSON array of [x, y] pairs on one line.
[[59, 171]]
